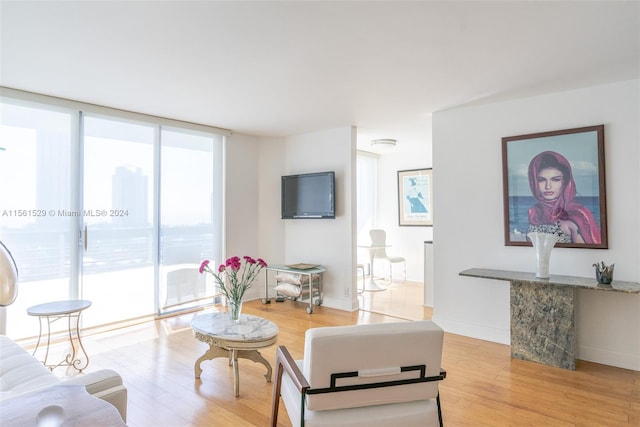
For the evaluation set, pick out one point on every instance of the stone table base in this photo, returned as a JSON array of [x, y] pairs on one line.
[[542, 324]]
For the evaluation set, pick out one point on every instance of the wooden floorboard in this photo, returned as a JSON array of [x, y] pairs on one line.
[[484, 385]]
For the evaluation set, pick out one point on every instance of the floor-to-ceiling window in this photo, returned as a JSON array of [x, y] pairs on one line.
[[37, 221], [366, 179], [115, 208], [190, 204], [119, 237]]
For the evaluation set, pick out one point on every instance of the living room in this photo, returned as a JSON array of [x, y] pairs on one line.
[[462, 145]]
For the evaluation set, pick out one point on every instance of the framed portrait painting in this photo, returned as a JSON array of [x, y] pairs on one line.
[[554, 182], [415, 197]]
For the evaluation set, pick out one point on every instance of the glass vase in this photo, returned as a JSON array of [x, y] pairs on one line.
[[543, 243], [235, 309]]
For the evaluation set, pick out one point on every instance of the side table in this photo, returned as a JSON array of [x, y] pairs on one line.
[[234, 340], [310, 272], [50, 312]]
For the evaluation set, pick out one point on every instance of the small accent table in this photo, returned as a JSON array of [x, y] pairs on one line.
[[543, 313], [70, 404], [234, 340], [52, 311]]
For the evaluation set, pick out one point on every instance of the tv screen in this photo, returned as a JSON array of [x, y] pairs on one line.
[[310, 195]]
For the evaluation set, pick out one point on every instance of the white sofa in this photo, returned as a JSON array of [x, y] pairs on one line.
[[22, 374]]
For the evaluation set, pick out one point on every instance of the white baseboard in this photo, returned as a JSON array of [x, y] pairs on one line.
[[591, 354], [608, 357], [481, 332]]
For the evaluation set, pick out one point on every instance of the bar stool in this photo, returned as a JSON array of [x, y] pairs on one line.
[[360, 267]]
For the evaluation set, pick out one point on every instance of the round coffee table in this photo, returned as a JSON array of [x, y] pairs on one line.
[[234, 340]]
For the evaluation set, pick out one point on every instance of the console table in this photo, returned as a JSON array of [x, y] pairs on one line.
[[543, 313]]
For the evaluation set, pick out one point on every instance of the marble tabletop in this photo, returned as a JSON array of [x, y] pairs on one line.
[[558, 280], [247, 329]]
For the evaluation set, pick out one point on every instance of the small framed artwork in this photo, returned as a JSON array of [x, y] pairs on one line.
[[415, 197], [554, 182]]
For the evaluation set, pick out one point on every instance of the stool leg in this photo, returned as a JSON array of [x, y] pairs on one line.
[[360, 267]]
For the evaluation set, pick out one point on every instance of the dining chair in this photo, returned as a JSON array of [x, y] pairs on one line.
[[379, 238]]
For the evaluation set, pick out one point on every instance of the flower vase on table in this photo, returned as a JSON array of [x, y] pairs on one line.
[[543, 243], [235, 309], [233, 278]]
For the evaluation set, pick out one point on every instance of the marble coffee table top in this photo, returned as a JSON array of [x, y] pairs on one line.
[[247, 329]]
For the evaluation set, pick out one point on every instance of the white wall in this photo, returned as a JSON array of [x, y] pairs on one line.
[[468, 214], [242, 227], [407, 242], [329, 242], [272, 166], [254, 226]]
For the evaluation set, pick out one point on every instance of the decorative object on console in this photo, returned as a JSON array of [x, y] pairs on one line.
[[604, 273], [234, 278], [543, 243]]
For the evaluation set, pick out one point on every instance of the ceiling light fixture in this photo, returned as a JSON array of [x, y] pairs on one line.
[[384, 143]]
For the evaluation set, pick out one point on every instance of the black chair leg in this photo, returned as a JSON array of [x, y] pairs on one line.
[[439, 410]]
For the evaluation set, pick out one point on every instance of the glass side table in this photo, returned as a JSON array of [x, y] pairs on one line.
[[50, 312]]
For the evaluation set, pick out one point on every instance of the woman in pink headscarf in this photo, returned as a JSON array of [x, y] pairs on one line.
[[557, 212]]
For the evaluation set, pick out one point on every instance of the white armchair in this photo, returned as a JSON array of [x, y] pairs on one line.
[[364, 375]]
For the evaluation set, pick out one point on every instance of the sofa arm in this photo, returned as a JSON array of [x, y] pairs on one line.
[[106, 385]]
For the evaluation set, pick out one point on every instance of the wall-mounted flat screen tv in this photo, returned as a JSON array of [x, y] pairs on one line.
[[310, 195]]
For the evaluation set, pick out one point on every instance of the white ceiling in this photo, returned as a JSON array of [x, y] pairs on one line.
[[284, 68]]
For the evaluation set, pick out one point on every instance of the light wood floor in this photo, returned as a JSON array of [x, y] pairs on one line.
[[484, 386]]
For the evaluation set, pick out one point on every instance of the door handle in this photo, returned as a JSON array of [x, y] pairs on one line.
[[85, 239]]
